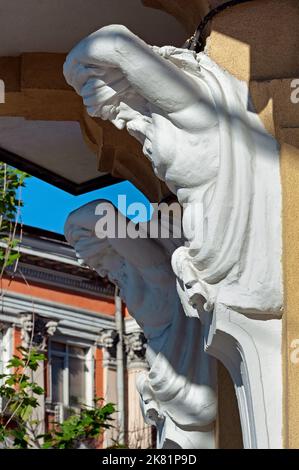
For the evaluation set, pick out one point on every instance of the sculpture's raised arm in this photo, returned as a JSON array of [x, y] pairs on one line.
[[112, 60], [198, 128]]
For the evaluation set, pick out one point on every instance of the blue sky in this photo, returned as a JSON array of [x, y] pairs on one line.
[[48, 207]]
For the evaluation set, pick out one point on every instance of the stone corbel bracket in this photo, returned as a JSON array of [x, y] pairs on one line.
[[135, 344], [36, 330], [107, 340]]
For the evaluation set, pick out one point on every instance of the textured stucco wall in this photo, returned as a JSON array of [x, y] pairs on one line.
[[258, 42]]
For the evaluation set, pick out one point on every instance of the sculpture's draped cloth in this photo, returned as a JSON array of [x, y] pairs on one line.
[[238, 263], [231, 161]]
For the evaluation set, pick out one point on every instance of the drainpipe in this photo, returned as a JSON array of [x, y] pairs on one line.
[[120, 367]]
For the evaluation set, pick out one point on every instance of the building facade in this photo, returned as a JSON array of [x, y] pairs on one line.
[[52, 302]]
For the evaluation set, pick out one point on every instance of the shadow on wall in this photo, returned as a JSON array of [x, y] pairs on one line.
[[258, 42]]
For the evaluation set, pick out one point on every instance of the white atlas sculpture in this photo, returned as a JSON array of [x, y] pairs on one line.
[[177, 396], [199, 130]]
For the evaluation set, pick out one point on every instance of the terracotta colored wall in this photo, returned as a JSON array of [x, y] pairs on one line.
[[16, 341], [71, 299]]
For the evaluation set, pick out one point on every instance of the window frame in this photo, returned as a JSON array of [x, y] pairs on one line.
[[88, 372], [6, 351]]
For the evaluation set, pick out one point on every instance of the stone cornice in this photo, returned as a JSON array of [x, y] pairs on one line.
[[65, 280], [72, 321]]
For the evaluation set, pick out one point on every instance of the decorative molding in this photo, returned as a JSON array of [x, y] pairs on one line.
[[108, 339], [47, 258], [36, 330], [74, 322], [131, 326], [135, 347], [59, 279], [135, 350], [26, 328]]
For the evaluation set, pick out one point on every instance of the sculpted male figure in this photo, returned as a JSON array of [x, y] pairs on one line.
[[177, 395], [197, 126], [204, 140]]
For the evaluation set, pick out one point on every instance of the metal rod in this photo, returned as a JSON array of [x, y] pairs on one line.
[[196, 42]]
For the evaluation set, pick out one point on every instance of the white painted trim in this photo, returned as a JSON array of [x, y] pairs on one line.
[[7, 347], [6, 350], [88, 373], [89, 377], [60, 279], [72, 321], [49, 397], [131, 326], [44, 255], [250, 349]]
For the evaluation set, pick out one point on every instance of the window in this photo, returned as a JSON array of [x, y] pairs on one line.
[[5, 354], [70, 374]]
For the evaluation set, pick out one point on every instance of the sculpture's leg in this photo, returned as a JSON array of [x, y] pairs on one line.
[[250, 349]]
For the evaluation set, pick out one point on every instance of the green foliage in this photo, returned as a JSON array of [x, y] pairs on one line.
[[11, 180], [84, 427], [19, 393]]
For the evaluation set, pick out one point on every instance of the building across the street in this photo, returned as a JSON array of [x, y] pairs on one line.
[[67, 311]]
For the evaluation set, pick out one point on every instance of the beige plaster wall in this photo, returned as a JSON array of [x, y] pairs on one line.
[[110, 395], [139, 434], [258, 42]]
